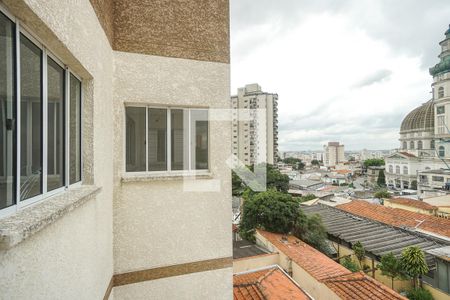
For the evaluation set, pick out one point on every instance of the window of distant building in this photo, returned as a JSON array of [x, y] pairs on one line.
[[411, 145], [432, 144], [40, 117], [405, 170], [391, 169], [441, 92], [397, 169], [441, 151], [166, 139], [437, 178], [440, 109], [420, 145], [405, 145], [441, 124]]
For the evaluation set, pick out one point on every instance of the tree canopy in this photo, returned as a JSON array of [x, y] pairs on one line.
[[374, 162], [391, 266], [315, 162], [382, 194], [381, 180], [359, 251], [271, 210], [274, 179]]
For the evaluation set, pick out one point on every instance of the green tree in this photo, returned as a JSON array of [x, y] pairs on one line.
[[414, 185], [374, 162], [382, 194], [312, 231], [315, 162], [359, 251], [348, 263], [390, 266], [306, 198], [296, 163], [236, 184], [419, 294], [413, 263], [277, 180], [381, 180], [271, 210]]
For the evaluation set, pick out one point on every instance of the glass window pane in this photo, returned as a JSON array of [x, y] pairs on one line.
[[55, 126], [31, 119], [7, 113], [199, 139], [179, 139], [75, 130], [135, 139], [157, 139]]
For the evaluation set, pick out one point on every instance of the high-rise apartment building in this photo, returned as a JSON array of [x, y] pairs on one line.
[[113, 175], [255, 125], [333, 154]]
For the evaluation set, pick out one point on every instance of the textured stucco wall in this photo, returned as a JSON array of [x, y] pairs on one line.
[[72, 258], [215, 285], [185, 29], [157, 223]]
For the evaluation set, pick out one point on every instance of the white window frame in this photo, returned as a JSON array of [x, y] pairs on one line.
[[21, 29], [169, 171]]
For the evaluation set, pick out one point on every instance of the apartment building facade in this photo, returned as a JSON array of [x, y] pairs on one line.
[[333, 154], [255, 125], [113, 179]]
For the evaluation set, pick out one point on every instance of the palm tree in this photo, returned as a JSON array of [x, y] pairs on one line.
[[413, 263]]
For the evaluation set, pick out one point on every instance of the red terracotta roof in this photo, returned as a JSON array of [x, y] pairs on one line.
[[407, 154], [340, 280], [317, 264], [413, 203], [270, 284], [358, 285], [397, 217]]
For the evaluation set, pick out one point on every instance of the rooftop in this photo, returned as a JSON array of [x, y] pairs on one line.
[[269, 284], [377, 238], [419, 119], [436, 171], [340, 280], [242, 249], [317, 264], [398, 217], [412, 203], [362, 287]]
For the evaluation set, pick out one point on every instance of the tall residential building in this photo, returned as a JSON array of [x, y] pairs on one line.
[[333, 154], [113, 175], [255, 125]]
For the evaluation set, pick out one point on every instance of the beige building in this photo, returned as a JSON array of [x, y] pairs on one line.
[[424, 148], [255, 125], [113, 180], [333, 154]]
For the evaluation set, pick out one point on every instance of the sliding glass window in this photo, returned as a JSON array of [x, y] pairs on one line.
[[7, 112], [55, 126], [30, 119], [40, 119], [177, 139]]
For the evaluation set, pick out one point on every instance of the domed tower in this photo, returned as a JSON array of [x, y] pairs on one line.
[[441, 97], [417, 130]]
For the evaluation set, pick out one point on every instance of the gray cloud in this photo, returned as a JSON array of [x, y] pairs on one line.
[[378, 76], [408, 25]]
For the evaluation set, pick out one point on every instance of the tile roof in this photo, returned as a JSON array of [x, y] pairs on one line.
[[243, 249], [376, 237], [268, 284], [357, 286], [413, 203], [398, 217], [317, 264], [340, 280], [407, 154]]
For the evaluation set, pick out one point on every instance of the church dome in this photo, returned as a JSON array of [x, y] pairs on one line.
[[420, 119]]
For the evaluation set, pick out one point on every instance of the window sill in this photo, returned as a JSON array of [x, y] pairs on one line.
[[139, 177], [30, 220]]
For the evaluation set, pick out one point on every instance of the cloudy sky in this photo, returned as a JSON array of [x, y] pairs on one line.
[[344, 70]]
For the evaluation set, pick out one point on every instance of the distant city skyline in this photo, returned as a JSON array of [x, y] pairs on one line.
[[346, 71]]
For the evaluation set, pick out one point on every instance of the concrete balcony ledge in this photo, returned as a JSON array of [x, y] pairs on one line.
[[165, 176], [29, 220]]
